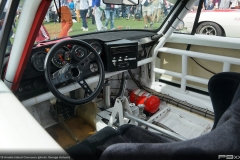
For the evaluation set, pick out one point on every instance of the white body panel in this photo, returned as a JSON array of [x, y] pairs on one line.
[[19, 130], [229, 20]]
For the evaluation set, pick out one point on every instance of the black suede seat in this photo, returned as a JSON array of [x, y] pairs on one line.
[[92, 147], [132, 142]]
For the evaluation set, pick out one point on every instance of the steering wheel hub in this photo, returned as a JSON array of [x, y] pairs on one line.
[[75, 72]]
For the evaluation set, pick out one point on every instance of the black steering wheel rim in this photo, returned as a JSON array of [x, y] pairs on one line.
[[47, 72]]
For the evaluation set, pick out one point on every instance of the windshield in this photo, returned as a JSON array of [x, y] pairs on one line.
[[75, 17], [85, 16]]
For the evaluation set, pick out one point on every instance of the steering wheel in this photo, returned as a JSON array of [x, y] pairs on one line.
[[75, 70]]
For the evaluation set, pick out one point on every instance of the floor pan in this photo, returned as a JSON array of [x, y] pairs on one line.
[[79, 128], [182, 122]]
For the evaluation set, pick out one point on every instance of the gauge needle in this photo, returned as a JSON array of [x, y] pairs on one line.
[[61, 58]]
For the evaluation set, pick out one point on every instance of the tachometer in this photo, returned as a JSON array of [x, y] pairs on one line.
[[38, 60], [62, 57], [79, 52]]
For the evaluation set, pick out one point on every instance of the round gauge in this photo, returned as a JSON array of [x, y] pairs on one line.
[[38, 60], [93, 67], [80, 52], [97, 47], [61, 57]]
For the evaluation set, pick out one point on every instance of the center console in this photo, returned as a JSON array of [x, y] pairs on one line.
[[120, 55]]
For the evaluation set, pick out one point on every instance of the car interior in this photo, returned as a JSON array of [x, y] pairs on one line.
[[118, 94]]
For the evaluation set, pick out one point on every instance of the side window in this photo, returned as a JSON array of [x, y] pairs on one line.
[[216, 19], [14, 25]]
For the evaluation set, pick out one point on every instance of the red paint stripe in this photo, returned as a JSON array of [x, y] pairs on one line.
[[222, 10], [52, 42], [218, 10], [42, 10]]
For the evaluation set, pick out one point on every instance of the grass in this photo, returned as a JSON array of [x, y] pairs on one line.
[[54, 28]]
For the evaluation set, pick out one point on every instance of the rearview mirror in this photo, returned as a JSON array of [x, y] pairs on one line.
[[172, 1], [119, 2]]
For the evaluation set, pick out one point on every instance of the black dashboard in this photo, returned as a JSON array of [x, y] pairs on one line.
[[33, 81]]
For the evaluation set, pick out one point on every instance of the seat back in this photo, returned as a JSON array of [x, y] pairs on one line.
[[223, 90]]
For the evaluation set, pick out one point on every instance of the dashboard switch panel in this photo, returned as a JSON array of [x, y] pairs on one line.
[[120, 55]]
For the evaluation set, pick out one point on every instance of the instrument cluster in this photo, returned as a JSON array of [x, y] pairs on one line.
[[63, 56]]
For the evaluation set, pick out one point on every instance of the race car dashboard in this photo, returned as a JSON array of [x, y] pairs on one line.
[[33, 81]]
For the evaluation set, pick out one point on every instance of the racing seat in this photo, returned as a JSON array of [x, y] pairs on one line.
[[132, 142]]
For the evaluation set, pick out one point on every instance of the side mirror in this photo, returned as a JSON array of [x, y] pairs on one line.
[[119, 2]]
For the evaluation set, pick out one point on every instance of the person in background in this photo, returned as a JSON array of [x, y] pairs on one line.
[[195, 6], [54, 12], [90, 10], [77, 10], [216, 3], [138, 12], [128, 12], [131, 12], [83, 13], [205, 3], [124, 12], [89, 14], [147, 12], [66, 18], [169, 6], [97, 14], [117, 11], [47, 15], [71, 5], [165, 11], [224, 4], [157, 4], [234, 4], [19, 10], [210, 5], [110, 15]]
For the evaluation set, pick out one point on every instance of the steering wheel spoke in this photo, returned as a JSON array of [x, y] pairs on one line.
[[90, 57], [85, 86], [61, 75], [58, 80]]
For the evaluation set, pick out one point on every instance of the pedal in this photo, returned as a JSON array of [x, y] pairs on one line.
[[63, 110]]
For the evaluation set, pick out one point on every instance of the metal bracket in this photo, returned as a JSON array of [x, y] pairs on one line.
[[159, 114], [120, 104]]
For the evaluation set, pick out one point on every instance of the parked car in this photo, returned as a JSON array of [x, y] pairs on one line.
[[223, 22]]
